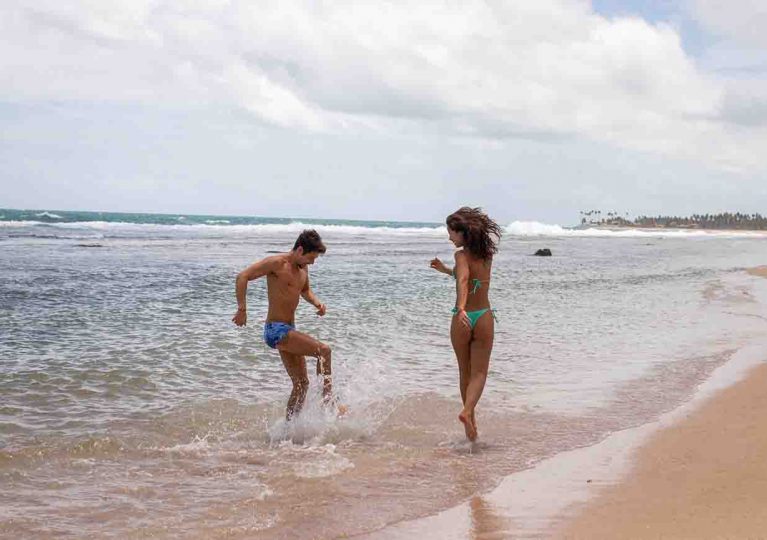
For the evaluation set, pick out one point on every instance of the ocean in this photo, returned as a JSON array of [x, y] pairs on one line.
[[132, 407]]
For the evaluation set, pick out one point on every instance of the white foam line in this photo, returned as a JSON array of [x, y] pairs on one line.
[[534, 228], [12, 223], [517, 228], [529, 503], [249, 228]]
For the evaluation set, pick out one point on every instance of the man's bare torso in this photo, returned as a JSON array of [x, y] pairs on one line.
[[284, 286]]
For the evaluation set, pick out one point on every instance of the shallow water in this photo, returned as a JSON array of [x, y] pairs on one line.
[[132, 407]]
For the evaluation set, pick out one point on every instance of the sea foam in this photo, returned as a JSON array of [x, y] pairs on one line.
[[535, 228]]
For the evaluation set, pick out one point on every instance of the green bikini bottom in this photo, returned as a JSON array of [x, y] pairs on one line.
[[475, 315]]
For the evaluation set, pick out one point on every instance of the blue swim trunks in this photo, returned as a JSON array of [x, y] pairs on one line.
[[274, 332]]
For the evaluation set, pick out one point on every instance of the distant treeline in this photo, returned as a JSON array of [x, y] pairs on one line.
[[724, 220]]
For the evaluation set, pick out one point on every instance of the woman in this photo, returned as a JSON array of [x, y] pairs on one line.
[[473, 325]]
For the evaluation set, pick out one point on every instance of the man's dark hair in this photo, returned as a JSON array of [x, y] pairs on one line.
[[310, 240]]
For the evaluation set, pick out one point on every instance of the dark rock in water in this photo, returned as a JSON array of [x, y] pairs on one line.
[[90, 245], [545, 252]]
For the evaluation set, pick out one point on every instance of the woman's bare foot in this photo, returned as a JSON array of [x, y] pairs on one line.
[[468, 424], [342, 410]]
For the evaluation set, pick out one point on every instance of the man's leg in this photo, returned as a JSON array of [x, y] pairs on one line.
[[295, 365], [298, 343]]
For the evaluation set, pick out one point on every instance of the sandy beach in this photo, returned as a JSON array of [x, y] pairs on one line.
[[760, 271], [704, 478], [599, 349], [698, 472]]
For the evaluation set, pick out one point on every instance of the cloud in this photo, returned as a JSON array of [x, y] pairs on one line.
[[746, 104], [544, 69], [743, 21], [736, 55]]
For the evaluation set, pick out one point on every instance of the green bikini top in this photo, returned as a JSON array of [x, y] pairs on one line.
[[476, 284]]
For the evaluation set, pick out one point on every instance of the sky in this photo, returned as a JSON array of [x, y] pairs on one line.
[[533, 110]]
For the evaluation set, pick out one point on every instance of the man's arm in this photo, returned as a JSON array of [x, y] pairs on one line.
[[308, 295], [254, 271]]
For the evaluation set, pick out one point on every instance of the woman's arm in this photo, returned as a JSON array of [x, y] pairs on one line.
[[461, 273], [439, 266]]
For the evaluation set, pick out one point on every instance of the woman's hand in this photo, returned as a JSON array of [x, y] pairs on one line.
[[439, 266], [463, 318]]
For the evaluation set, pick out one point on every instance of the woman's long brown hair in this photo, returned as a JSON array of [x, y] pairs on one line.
[[478, 231]]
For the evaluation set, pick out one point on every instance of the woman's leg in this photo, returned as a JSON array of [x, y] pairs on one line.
[[479, 360], [460, 337]]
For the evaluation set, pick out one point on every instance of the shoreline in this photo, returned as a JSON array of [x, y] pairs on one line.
[[703, 478], [681, 464], [560, 496]]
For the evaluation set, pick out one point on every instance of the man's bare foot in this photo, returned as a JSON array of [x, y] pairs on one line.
[[468, 425], [330, 402]]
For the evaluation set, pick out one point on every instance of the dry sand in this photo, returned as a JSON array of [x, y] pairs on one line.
[[705, 477]]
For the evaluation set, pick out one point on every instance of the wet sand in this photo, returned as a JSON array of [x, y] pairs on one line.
[[703, 478], [699, 471]]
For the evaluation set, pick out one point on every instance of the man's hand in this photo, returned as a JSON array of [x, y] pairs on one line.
[[321, 309], [240, 318]]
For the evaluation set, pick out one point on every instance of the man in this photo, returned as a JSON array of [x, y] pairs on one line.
[[287, 278]]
